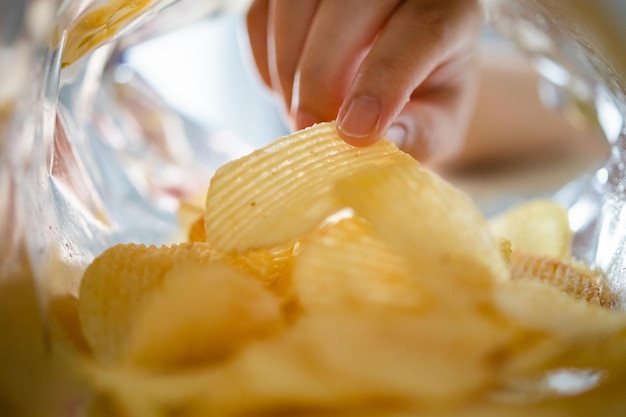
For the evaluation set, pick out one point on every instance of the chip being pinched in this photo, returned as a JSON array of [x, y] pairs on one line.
[[283, 190]]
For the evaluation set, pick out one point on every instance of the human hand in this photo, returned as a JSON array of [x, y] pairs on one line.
[[404, 68]]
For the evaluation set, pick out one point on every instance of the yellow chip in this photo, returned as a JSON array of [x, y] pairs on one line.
[[196, 230], [283, 190], [99, 25], [201, 315], [568, 275], [435, 227], [271, 266], [344, 265], [116, 285], [538, 226]]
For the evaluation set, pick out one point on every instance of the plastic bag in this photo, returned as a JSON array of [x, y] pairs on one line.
[[88, 161], [577, 48]]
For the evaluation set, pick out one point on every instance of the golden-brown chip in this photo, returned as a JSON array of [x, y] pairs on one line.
[[273, 266], [539, 226], [116, 285], [344, 265], [201, 315], [568, 275], [196, 230], [283, 190], [445, 240]]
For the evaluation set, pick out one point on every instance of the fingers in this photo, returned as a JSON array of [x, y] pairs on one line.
[[289, 23], [339, 37], [419, 38], [368, 63], [432, 125], [256, 22]]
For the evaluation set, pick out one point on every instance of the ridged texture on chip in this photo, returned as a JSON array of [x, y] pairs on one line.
[[435, 227], [568, 275], [538, 226], [117, 283], [281, 191], [344, 265]]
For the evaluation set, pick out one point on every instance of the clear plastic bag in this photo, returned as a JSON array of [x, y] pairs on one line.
[[577, 49], [87, 161]]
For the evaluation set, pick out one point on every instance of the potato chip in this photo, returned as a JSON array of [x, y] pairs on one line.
[[271, 266], [562, 325], [345, 265], [117, 283], [196, 230], [200, 316], [568, 275], [346, 358], [281, 191], [538, 226], [436, 228], [99, 25]]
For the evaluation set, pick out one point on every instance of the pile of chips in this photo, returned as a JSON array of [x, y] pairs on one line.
[[324, 279]]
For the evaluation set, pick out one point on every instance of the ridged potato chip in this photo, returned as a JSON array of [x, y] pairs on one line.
[[435, 227], [345, 265], [283, 190], [117, 283], [568, 275], [201, 315], [539, 226]]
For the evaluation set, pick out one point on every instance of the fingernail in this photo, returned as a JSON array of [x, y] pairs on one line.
[[304, 119], [397, 134], [361, 118]]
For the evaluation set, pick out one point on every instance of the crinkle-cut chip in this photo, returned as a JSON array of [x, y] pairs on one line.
[[438, 230], [568, 275], [281, 191], [271, 266], [118, 282], [539, 226], [344, 265], [561, 324], [201, 315], [196, 230]]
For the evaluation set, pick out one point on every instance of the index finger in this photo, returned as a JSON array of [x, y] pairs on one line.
[[418, 38]]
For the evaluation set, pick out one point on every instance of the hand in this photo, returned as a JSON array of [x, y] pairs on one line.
[[404, 68]]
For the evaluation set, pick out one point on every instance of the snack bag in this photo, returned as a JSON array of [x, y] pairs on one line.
[[85, 162], [298, 319]]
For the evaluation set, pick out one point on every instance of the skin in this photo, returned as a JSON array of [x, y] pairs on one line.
[[410, 70], [329, 59]]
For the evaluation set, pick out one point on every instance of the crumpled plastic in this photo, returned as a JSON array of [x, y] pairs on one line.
[[577, 49], [87, 161]]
